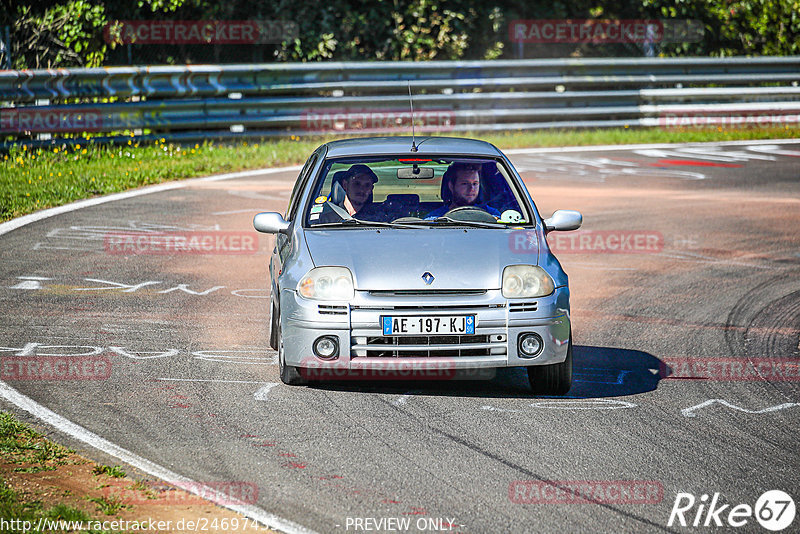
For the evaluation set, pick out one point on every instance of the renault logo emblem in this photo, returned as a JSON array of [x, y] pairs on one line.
[[428, 277]]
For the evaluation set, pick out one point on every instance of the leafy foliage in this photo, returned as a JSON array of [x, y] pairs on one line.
[[70, 32]]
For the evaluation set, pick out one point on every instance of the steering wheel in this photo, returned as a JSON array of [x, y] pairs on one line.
[[470, 213]]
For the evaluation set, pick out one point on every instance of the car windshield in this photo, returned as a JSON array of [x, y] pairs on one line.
[[409, 191]]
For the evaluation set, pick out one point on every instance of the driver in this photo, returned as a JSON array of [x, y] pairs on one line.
[[354, 197], [358, 184], [464, 184]]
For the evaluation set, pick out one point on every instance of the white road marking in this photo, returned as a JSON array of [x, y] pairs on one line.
[[611, 148], [33, 349], [774, 149], [115, 285], [29, 282], [689, 412], [266, 295], [261, 356], [571, 404], [78, 432], [401, 400], [140, 355], [185, 289], [263, 391]]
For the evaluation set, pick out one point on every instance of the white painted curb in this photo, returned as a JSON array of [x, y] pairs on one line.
[[78, 432]]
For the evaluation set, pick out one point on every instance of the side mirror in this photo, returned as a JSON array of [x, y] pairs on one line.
[[270, 223], [562, 220]]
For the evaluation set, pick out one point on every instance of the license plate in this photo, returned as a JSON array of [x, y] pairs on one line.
[[440, 325]]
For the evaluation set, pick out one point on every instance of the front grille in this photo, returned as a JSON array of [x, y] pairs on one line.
[[429, 346], [331, 310], [523, 306]]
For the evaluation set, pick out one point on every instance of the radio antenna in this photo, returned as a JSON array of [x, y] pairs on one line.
[[413, 136]]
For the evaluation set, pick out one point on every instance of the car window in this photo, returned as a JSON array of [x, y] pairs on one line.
[[299, 186], [414, 190]]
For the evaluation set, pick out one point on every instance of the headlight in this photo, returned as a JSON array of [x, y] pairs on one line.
[[526, 281], [327, 283]]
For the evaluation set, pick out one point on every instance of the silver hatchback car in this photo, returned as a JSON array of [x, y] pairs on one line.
[[416, 260]]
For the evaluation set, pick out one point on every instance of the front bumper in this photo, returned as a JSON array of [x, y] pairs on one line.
[[357, 327]]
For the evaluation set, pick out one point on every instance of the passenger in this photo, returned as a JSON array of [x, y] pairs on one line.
[[461, 186]]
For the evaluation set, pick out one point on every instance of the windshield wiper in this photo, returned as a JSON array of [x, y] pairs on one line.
[[478, 224], [360, 222]]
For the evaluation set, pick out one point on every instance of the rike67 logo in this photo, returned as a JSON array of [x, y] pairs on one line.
[[774, 510]]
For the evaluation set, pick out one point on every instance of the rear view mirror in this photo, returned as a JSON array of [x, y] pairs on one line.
[[415, 173]]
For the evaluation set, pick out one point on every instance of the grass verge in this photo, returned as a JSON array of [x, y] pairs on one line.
[[42, 482], [26, 451], [35, 179]]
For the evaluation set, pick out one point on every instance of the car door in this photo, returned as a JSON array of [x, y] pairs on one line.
[[283, 242]]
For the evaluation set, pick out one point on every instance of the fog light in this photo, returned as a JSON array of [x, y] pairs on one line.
[[326, 347], [530, 345]]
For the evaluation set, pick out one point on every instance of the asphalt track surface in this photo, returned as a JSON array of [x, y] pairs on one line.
[[194, 387]]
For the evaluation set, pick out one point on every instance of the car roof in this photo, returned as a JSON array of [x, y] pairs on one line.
[[372, 146]]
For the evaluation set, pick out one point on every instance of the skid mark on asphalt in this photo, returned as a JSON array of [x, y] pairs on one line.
[[583, 313]]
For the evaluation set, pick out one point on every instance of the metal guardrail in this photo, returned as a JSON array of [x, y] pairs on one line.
[[206, 101]]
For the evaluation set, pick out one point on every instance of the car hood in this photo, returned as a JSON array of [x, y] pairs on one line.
[[457, 258]]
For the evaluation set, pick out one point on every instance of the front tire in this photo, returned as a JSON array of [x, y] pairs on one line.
[[554, 379], [289, 374]]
